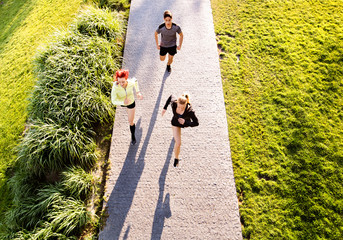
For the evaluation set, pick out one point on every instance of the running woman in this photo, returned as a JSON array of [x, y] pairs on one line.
[[183, 116], [122, 94], [168, 31]]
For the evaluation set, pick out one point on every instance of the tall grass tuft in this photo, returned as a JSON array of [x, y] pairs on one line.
[[119, 5], [77, 59], [45, 232], [23, 214], [100, 22], [23, 185], [75, 79], [77, 182], [52, 204], [49, 147], [28, 212], [80, 106], [68, 218]]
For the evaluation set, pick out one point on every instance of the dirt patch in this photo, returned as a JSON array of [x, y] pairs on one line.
[[95, 205]]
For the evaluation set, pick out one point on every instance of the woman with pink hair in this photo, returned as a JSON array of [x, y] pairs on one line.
[[122, 94]]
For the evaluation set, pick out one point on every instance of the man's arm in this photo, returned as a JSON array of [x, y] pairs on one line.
[[180, 41], [156, 39]]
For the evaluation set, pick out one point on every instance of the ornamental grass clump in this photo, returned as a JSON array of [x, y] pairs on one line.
[[69, 217], [77, 59], [119, 5], [23, 184], [59, 206], [27, 213], [45, 232], [97, 22], [77, 182], [74, 82], [49, 147], [82, 107]]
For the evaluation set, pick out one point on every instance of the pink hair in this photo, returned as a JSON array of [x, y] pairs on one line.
[[121, 74]]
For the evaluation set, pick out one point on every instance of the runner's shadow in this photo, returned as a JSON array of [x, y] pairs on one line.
[[120, 200], [162, 210], [121, 197]]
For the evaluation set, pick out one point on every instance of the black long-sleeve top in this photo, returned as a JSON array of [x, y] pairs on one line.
[[189, 115]]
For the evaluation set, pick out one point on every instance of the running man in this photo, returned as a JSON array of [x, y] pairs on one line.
[[168, 31]]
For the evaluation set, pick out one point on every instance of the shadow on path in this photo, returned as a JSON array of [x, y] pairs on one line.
[[121, 198], [163, 207]]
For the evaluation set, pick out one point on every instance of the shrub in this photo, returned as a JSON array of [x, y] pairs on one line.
[[74, 81], [119, 5], [57, 204], [77, 182], [76, 59], [72, 95], [103, 23], [72, 105], [23, 184], [49, 147]]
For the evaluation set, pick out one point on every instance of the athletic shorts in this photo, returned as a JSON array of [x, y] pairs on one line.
[[132, 105], [171, 50]]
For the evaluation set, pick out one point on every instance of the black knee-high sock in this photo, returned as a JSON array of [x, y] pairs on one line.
[[132, 130]]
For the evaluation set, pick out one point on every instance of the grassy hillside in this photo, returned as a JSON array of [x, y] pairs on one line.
[[282, 70], [24, 25], [56, 185]]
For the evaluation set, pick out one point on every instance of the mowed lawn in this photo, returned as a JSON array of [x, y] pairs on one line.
[[282, 70], [24, 26]]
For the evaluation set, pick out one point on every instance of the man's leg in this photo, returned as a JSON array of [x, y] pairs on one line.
[[163, 53], [170, 59]]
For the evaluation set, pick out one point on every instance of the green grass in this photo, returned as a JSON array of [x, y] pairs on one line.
[[24, 26], [77, 182], [53, 181], [53, 210], [49, 147], [282, 70], [118, 5]]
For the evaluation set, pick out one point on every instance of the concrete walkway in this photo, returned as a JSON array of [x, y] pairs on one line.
[[147, 198]]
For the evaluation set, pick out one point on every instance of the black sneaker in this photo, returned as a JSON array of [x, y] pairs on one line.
[[168, 68], [133, 141], [176, 162]]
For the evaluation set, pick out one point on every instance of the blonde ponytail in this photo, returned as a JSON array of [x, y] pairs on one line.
[[186, 95], [183, 99]]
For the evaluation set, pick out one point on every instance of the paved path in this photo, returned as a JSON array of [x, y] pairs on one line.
[[147, 198]]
